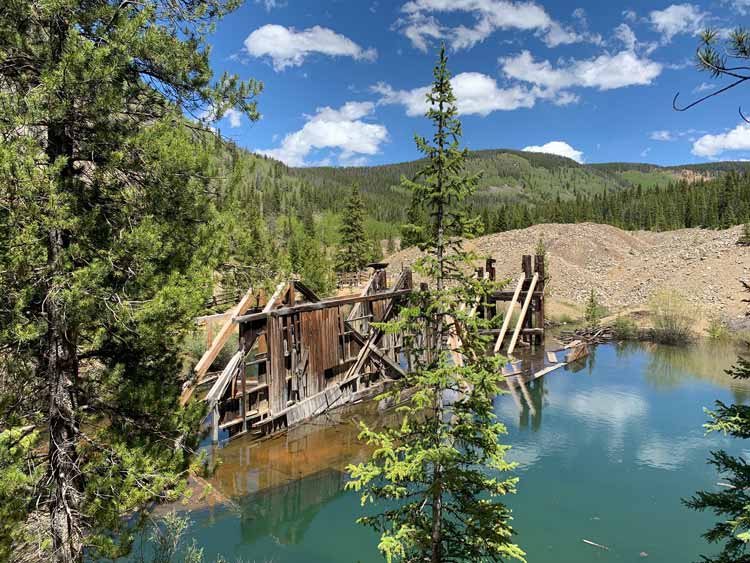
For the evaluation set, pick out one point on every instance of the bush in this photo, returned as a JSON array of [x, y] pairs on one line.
[[594, 311], [625, 328], [672, 319], [717, 330]]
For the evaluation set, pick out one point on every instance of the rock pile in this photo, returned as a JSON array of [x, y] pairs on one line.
[[625, 268]]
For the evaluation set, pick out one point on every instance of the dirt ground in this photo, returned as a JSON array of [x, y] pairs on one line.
[[625, 268]]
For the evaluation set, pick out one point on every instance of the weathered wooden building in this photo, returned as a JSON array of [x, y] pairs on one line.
[[299, 355]]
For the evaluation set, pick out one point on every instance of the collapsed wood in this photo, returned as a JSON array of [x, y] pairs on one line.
[[299, 356]]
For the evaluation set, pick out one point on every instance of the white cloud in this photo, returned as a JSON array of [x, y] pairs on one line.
[[738, 139], [476, 94], [339, 129], [271, 4], [630, 15], [742, 6], [234, 118], [703, 87], [661, 136], [605, 72], [419, 24], [624, 33], [676, 19], [288, 47], [560, 148]]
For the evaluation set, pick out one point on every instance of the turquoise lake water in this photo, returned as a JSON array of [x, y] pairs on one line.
[[606, 450]]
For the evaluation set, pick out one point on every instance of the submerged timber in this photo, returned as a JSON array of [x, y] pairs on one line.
[[300, 356]]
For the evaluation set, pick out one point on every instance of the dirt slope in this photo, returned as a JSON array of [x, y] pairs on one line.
[[626, 267]]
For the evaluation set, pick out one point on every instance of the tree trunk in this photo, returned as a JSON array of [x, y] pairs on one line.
[[61, 352], [62, 373]]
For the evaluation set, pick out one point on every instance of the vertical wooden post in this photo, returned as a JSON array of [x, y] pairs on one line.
[[209, 333], [215, 425], [243, 375], [539, 267]]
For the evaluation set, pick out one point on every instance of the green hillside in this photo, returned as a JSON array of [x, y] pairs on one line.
[[518, 189], [523, 181]]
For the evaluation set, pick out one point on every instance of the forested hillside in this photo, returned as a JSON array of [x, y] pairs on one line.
[[517, 189]]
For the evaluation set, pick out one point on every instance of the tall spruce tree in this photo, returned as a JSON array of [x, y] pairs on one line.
[[731, 505], [441, 471], [354, 249], [105, 218]]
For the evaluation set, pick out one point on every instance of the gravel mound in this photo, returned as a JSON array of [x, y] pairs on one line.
[[625, 267]]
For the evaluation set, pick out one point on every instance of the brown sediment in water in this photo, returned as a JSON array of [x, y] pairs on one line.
[[326, 443]]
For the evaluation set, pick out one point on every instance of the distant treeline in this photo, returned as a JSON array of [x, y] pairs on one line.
[[715, 204]]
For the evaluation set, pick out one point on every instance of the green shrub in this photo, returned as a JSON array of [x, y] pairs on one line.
[[594, 311], [625, 328], [717, 330], [672, 317]]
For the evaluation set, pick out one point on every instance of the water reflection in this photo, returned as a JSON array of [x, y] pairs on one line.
[[617, 435], [285, 512], [531, 411], [669, 366]]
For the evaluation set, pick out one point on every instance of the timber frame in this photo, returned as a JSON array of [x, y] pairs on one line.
[[299, 356]]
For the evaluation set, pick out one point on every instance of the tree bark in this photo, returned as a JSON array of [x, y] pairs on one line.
[[61, 343]]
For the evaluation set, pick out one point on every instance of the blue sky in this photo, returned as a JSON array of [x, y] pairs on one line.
[[593, 80]]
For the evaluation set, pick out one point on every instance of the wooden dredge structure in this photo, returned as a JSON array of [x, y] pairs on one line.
[[299, 356]]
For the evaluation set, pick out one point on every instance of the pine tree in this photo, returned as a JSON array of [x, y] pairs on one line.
[[593, 310], [730, 505], [107, 224], [541, 250], [441, 469], [354, 248]]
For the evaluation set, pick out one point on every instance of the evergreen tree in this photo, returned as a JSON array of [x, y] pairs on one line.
[[441, 469], [107, 223], [593, 310], [541, 250], [391, 246], [354, 248]]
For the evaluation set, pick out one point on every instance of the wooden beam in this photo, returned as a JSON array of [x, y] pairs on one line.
[[306, 291], [327, 304], [506, 320], [525, 308], [218, 343]]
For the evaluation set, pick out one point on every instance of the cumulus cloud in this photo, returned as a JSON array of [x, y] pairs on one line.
[[677, 19], [420, 26], [560, 148], [604, 72], [479, 94], [626, 35], [340, 129], [287, 47], [234, 118], [476, 94], [661, 136], [709, 146]]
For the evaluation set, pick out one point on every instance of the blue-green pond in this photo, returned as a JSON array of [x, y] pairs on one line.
[[606, 449]]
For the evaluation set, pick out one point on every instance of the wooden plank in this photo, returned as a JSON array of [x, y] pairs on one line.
[[326, 304], [226, 377], [506, 320], [306, 291], [221, 339], [521, 318]]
